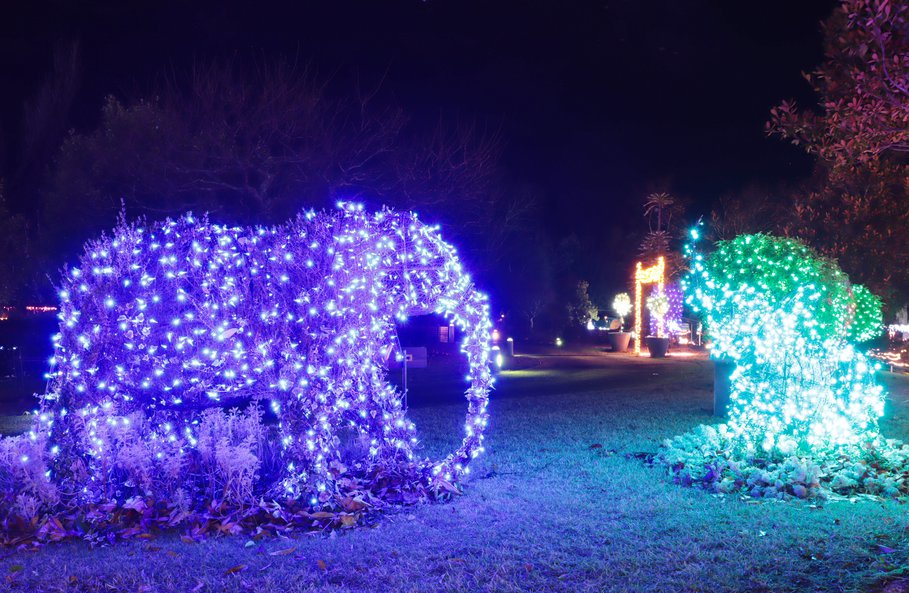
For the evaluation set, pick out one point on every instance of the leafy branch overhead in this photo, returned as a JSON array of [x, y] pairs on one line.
[[855, 209], [863, 87]]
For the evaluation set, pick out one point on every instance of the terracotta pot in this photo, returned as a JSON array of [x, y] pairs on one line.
[[619, 340], [657, 346]]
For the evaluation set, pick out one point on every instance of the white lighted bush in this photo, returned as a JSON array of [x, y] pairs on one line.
[[621, 304]]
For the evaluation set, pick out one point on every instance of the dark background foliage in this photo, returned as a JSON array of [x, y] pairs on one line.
[[533, 132]]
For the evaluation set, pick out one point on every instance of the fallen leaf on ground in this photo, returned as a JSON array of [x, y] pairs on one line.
[[348, 520], [352, 504], [283, 552], [322, 515], [235, 569]]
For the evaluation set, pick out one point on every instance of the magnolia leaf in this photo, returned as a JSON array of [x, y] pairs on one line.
[[352, 504], [447, 486], [322, 515], [349, 520], [284, 552]]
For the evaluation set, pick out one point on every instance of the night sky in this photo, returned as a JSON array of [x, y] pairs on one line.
[[598, 102]]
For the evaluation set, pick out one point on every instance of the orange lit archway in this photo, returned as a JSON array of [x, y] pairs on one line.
[[655, 274]]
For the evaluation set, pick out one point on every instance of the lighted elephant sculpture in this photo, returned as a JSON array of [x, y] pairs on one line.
[[160, 324]]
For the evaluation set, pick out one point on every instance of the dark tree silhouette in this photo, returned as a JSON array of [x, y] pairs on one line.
[[862, 86], [23, 165], [13, 251], [255, 144], [662, 211], [860, 134], [753, 209]]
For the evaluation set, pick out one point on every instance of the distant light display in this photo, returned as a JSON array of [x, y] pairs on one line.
[[621, 304], [655, 274], [785, 316], [161, 324], [658, 305], [672, 320]]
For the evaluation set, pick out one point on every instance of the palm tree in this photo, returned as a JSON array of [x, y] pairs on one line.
[[663, 205], [659, 208]]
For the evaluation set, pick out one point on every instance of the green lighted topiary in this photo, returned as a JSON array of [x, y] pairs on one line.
[[804, 405], [774, 270], [868, 319], [785, 315]]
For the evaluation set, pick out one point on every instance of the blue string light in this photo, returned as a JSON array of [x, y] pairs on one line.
[[160, 324]]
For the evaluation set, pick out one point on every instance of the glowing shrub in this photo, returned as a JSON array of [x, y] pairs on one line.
[[200, 362], [23, 473], [621, 304], [672, 319], [749, 268], [784, 315], [868, 318], [658, 305], [804, 405]]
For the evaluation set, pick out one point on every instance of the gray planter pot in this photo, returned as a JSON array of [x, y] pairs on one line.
[[722, 386], [619, 340], [657, 346]]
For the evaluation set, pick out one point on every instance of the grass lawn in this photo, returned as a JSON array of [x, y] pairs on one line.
[[555, 505]]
